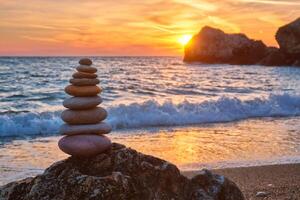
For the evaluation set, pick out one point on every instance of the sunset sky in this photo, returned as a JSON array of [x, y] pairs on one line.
[[131, 27]]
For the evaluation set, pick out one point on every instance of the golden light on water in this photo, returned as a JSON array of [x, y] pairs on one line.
[[184, 39], [190, 148]]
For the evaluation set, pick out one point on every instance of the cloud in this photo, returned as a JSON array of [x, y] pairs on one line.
[[224, 23], [200, 5], [51, 40], [273, 2]]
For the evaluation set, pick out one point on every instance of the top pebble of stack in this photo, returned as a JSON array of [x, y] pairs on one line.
[[85, 66], [85, 61]]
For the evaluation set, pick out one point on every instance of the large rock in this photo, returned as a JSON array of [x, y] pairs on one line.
[[288, 38], [122, 174], [275, 57], [212, 45]]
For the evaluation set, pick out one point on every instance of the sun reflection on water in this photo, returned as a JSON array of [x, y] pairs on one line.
[[194, 147]]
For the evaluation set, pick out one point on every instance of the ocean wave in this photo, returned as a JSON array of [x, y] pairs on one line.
[[26, 124], [151, 113]]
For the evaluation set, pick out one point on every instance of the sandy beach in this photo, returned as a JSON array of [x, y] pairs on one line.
[[275, 181]]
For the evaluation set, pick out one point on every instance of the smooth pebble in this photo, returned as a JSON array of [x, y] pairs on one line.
[[90, 116], [84, 145]]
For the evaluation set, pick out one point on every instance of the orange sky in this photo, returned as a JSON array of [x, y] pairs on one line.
[[132, 27]]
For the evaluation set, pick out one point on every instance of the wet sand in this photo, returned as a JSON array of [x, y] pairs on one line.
[[278, 182]]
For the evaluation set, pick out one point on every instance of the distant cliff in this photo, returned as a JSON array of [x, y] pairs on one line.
[[213, 46]]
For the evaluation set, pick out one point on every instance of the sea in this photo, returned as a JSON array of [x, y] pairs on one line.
[[193, 115]]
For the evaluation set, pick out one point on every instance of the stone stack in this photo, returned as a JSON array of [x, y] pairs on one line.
[[84, 126]]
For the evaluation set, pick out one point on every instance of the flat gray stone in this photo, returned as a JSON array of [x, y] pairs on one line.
[[84, 145], [98, 129], [90, 116], [84, 75], [84, 81], [82, 103], [82, 91], [86, 69]]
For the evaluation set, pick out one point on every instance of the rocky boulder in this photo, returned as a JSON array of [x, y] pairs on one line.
[[120, 173], [288, 37], [212, 45], [275, 57]]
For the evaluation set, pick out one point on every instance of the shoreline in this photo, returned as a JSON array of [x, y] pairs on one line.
[[280, 181]]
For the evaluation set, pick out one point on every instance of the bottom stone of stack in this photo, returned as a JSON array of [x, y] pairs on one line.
[[84, 145]]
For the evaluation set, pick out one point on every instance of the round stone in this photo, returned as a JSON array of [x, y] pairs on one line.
[[91, 116], [84, 81], [84, 145], [87, 69], [97, 129], [84, 75], [82, 91], [85, 61], [81, 103]]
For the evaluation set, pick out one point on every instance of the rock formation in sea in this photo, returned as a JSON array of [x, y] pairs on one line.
[[288, 37], [120, 173], [84, 126], [212, 46]]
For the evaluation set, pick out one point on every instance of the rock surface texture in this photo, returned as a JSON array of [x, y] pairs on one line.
[[84, 119], [212, 45], [288, 37], [120, 173]]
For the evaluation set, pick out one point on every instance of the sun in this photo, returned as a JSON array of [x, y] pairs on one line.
[[184, 39]]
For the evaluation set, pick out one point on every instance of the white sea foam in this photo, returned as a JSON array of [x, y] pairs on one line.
[[225, 109], [152, 113], [22, 124]]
